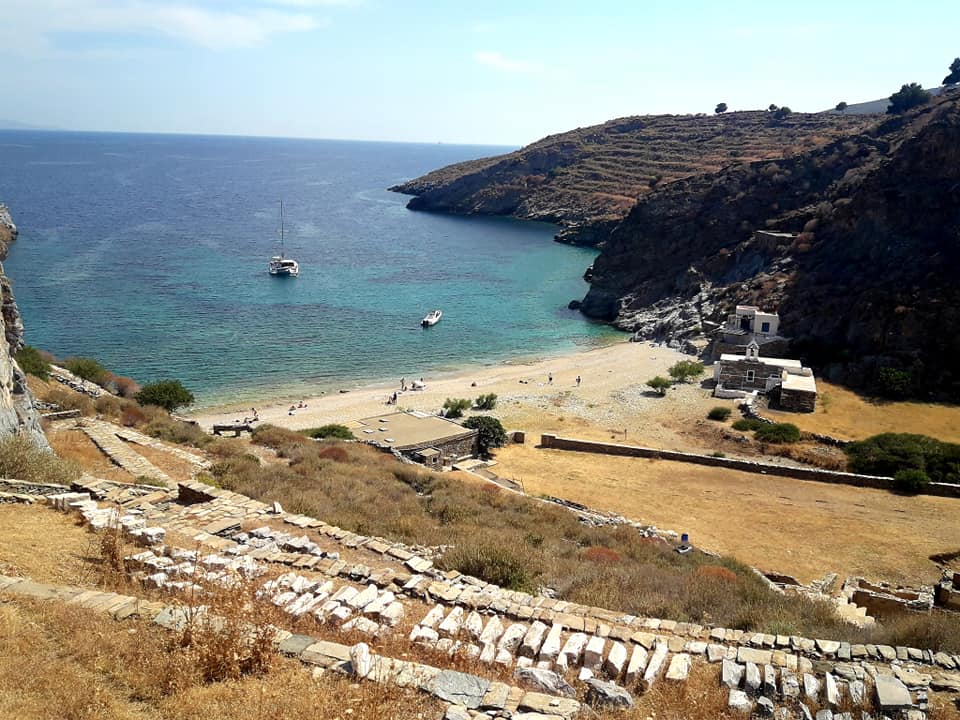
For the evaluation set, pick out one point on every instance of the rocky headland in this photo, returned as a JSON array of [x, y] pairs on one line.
[[17, 413], [862, 272], [589, 178]]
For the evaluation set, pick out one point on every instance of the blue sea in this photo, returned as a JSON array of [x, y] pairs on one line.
[[149, 253]]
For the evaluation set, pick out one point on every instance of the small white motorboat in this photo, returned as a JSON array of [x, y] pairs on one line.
[[432, 318]]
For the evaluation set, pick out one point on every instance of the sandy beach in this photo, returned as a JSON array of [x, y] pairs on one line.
[[612, 395]]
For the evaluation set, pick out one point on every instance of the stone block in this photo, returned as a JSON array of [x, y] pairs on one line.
[[616, 660], [679, 667], [731, 673]]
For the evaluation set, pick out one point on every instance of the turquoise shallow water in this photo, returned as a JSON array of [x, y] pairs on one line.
[[149, 253]]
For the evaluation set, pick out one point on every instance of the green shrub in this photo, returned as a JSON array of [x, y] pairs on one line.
[[720, 413], [777, 433], [333, 430], [486, 402], [686, 370], [748, 424], [910, 481], [894, 383], [32, 362], [889, 453], [168, 394], [21, 459], [660, 384], [88, 369], [454, 407], [492, 434], [493, 563]]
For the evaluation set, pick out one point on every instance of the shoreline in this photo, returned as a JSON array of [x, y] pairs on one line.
[[522, 385]]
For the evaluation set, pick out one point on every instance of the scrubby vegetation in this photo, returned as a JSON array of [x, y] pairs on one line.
[[88, 369], [21, 459], [333, 431], [33, 362], [168, 394], [454, 407], [891, 453], [748, 424], [686, 370], [777, 433], [660, 384], [486, 401], [720, 413], [910, 481]]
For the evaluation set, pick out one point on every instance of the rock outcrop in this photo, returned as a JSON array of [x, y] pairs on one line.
[[863, 276], [596, 174], [17, 413]]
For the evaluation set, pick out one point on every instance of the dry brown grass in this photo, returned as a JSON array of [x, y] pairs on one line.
[[45, 545], [805, 529], [85, 666], [844, 414], [74, 445]]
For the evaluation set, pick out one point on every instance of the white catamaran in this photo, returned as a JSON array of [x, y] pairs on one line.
[[280, 265]]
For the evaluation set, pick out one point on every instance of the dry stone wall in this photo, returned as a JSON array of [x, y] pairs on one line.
[[554, 442]]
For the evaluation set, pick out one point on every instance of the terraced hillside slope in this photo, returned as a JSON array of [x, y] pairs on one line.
[[868, 282], [598, 172]]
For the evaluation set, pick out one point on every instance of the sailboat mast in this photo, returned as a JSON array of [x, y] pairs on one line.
[[282, 248]]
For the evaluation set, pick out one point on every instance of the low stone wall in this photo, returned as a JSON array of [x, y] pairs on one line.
[[872, 481]]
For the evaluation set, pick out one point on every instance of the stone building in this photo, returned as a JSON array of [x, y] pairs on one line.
[[427, 439], [742, 375], [749, 324]]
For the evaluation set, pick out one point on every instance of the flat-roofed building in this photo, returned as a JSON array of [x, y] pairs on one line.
[[428, 439], [742, 375]]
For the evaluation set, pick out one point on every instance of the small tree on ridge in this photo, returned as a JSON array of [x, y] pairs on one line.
[[954, 77], [721, 108], [909, 96]]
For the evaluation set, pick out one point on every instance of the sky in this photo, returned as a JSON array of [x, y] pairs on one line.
[[504, 73]]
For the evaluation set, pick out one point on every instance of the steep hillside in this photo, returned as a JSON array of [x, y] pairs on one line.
[[17, 414], [869, 282], [597, 173]]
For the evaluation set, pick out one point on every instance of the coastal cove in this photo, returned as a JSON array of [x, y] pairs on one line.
[[149, 253]]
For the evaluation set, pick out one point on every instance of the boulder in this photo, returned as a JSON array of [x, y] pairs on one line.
[[545, 681], [604, 694]]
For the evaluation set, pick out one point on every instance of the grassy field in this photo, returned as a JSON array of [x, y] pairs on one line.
[[806, 529], [848, 416]]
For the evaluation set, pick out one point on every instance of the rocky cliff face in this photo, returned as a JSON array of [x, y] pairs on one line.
[[17, 414], [869, 281], [597, 173]]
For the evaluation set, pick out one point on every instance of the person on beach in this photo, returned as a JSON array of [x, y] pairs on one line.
[[292, 410], [549, 378], [578, 381]]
